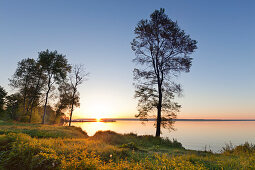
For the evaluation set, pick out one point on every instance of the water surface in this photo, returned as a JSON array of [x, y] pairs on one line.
[[197, 135]]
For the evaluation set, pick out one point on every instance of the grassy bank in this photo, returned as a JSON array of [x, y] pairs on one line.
[[34, 146]]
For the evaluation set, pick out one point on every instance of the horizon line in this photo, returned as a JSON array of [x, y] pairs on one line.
[[153, 119]]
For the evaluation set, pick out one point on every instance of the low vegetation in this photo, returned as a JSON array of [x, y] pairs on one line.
[[42, 131], [34, 146]]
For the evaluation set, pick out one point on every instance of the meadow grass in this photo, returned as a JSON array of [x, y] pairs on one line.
[[34, 146], [42, 131]]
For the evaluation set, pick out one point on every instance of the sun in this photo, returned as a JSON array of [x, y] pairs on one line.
[[98, 117], [99, 110]]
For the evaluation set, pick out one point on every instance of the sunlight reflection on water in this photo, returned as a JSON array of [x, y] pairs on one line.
[[192, 134]]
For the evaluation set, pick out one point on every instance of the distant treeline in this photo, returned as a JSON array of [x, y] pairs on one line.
[[44, 89]]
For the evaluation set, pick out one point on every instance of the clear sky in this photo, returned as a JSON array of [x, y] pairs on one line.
[[96, 33]]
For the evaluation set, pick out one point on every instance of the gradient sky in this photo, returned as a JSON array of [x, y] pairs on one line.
[[96, 33]]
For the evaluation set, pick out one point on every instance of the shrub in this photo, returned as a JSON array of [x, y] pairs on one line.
[[114, 138], [130, 145], [245, 148]]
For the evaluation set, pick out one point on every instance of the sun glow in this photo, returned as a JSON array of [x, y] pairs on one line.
[[100, 109], [98, 118], [103, 105]]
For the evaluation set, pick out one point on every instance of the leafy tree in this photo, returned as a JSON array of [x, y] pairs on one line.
[[29, 79], [3, 93], [162, 50], [23, 78], [55, 67]]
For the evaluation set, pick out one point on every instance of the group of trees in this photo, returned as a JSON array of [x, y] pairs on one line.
[[38, 81], [162, 51]]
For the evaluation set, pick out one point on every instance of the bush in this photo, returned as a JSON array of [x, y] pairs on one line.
[[130, 145], [114, 138], [245, 148]]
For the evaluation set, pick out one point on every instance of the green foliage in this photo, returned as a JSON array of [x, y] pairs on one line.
[[54, 65], [130, 145], [31, 78]]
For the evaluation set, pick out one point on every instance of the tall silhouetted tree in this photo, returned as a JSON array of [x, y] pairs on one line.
[[3, 94], [55, 67], [77, 76], [162, 50]]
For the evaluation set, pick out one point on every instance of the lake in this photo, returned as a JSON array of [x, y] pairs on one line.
[[196, 135]]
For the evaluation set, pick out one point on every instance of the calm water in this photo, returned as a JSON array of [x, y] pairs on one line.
[[192, 134]]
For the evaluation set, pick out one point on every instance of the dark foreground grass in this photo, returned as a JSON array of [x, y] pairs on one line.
[[33, 146]]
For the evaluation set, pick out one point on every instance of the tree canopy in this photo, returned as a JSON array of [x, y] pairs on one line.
[[35, 82], [55, 67]]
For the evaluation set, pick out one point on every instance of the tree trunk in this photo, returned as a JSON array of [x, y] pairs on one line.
[[30, 118], [45, 105], [71, 116], [24, 100], [46, 100], [31, 103], [24, 105], [159, 112], [71, 109]]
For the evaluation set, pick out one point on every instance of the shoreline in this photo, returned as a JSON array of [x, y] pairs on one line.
[[130, 119]]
